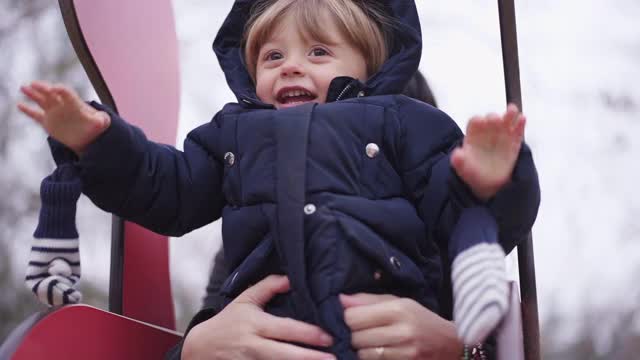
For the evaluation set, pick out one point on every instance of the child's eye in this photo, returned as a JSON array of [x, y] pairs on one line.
[[273, 56], [319, 52]]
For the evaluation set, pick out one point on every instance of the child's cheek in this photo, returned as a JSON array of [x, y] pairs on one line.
[[263, 90]]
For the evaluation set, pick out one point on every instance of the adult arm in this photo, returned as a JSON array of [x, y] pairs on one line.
[[400, 328], [242, 330]]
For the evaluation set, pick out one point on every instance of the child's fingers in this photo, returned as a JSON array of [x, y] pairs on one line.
[[520, 125], [66, 94], [493, 118], [34, 95], [457, 160], [35, 114], [476, 124], [479, 131], [49, 99], [41, 86], [511, 116], [494, 122], [493, 129]]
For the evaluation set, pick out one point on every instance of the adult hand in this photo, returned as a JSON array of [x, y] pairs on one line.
[[388, 327], [242, 330]]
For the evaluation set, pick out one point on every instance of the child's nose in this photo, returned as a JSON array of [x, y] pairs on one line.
[[291, 68]]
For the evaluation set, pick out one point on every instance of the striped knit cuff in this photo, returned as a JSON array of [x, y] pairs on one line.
[[476, 225], [480, 291], [59, 193], [54, 271]]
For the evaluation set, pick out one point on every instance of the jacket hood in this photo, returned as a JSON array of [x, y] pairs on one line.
[[392, 77]]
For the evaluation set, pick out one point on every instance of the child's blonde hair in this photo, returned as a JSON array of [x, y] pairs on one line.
[[364, 27]]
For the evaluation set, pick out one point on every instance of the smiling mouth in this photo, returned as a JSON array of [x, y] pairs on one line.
[[294, 96]]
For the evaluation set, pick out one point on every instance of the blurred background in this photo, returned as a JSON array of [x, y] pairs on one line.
[[581, 93]]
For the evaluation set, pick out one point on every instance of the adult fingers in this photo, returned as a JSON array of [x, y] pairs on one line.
[[387, 353], [260, 293], [276, 350], [375, 315], [380, 336], [290, 330], [364, 299], [35, 114]]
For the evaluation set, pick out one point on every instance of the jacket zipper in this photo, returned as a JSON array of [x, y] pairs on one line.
[[343, 92]]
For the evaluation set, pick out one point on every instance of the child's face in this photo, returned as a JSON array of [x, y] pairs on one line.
[[292, 70]]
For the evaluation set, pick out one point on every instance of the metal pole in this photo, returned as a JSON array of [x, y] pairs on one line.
[[68, 10], [530, 324]]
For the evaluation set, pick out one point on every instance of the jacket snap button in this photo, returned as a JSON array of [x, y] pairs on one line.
[[361, 93], [309, 209], [395, 262], [377, 275], [229, 158], [372, 150]]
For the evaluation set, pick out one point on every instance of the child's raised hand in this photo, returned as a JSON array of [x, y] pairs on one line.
[[63, 115], [489, 152]]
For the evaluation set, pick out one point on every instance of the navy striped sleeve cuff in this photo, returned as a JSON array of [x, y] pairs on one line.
[[476, 225], [59, 193]]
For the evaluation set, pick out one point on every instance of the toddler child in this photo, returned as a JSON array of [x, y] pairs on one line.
[[320, 170]]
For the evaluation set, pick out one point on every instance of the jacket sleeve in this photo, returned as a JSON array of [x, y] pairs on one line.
[[428, 138], [155, 185]]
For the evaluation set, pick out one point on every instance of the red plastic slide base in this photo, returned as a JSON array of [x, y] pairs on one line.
[[85, 332]]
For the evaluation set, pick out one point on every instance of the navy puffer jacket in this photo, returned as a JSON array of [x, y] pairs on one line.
[[353, 195]]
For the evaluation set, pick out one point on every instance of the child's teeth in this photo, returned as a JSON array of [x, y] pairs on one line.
[[295, 93]]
